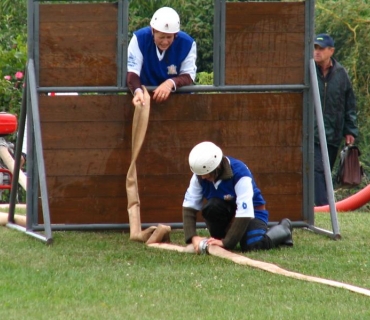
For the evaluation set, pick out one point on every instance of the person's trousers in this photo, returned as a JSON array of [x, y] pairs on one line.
[[219, 214], [321, 197]]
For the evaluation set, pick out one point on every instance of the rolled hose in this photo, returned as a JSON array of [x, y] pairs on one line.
[[351, 203]]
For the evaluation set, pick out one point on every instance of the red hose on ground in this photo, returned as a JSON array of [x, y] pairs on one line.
[[351, 203]]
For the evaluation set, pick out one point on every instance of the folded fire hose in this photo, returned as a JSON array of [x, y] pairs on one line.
[[153, 234]]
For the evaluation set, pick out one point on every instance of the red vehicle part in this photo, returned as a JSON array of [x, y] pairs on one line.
[[8, 123], [6, 186]]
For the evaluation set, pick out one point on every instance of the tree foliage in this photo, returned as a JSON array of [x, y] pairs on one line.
[[13, 53]]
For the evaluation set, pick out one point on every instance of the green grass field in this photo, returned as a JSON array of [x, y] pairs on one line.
[[104, 275]]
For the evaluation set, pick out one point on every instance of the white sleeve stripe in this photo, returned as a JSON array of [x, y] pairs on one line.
[[244, 198]]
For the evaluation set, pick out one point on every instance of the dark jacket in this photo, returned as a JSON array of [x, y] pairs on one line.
[[338, 105]]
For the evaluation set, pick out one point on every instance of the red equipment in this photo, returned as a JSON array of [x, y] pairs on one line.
[[8, 123]]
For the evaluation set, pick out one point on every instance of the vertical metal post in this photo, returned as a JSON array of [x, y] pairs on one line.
[[216, 43], [308, 123], [122, 42], [324, 150], [222, 41], [39, 149]]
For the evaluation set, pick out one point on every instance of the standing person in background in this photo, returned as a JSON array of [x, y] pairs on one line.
[[234, 210], [338, 107], [161, 55]]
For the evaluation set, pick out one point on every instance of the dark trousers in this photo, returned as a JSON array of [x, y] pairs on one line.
[[321, 197], [218, 215]]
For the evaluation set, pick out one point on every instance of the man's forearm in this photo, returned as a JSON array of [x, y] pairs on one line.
[[133, 81], [235, 232], [189, 217], [182, 80]]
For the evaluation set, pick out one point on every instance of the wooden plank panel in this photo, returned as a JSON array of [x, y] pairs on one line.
[[265, 43], [106, 134], [76, 49], [86, 162], [192, 107], [265, 17], [90, 12], [65, 77], [263, 76], [272, 59], [80, 186], [69, 60], [228, 107], [99, 108], [61, 44], [87, 151], [171, 185], [67, 31], [281, 207], [254, 42], [269, 22], [85, 135], [168, 160], [153, 210], [270, 8]]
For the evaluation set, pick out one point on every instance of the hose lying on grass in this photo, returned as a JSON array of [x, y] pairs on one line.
[[155, 234], [243, 260], [18, 219]]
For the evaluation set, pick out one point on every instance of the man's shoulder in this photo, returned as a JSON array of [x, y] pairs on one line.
[[338, 66], [184, 36], [238, 166], [143, 31]]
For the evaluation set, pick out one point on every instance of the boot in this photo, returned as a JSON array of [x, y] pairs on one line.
[[288, 224], [280, 234]]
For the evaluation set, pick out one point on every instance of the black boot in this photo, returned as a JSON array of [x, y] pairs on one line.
[[288, 224], [280, 234]]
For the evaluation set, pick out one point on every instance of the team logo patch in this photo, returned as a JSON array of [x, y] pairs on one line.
[[172, 69], [244, 205]]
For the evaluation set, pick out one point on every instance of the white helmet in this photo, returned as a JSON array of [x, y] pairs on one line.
[[204, 158], [166, 20]]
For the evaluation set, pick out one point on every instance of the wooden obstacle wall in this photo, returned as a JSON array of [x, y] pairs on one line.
[[87, 138]]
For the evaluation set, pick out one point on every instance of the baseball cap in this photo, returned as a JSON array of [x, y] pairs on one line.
[[324, 40]]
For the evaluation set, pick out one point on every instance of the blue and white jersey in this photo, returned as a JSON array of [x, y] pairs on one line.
[[240, 188], [154, 67]]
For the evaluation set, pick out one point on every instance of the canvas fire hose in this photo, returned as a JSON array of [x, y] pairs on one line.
[[153, 235], [269, 267]]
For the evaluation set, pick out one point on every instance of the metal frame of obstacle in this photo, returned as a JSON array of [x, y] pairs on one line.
[[36, 167]]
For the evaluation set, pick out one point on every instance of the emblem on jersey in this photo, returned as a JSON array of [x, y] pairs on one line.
[[244, 205], [171, 69], [228, 197]]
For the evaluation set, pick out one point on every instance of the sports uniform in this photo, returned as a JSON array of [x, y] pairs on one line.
[[161, 52], [154, 67], [234, 210]]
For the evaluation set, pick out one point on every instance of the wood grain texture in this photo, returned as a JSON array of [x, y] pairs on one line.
[[78, 44], [87, 138], [87, 150], [264, 43]]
